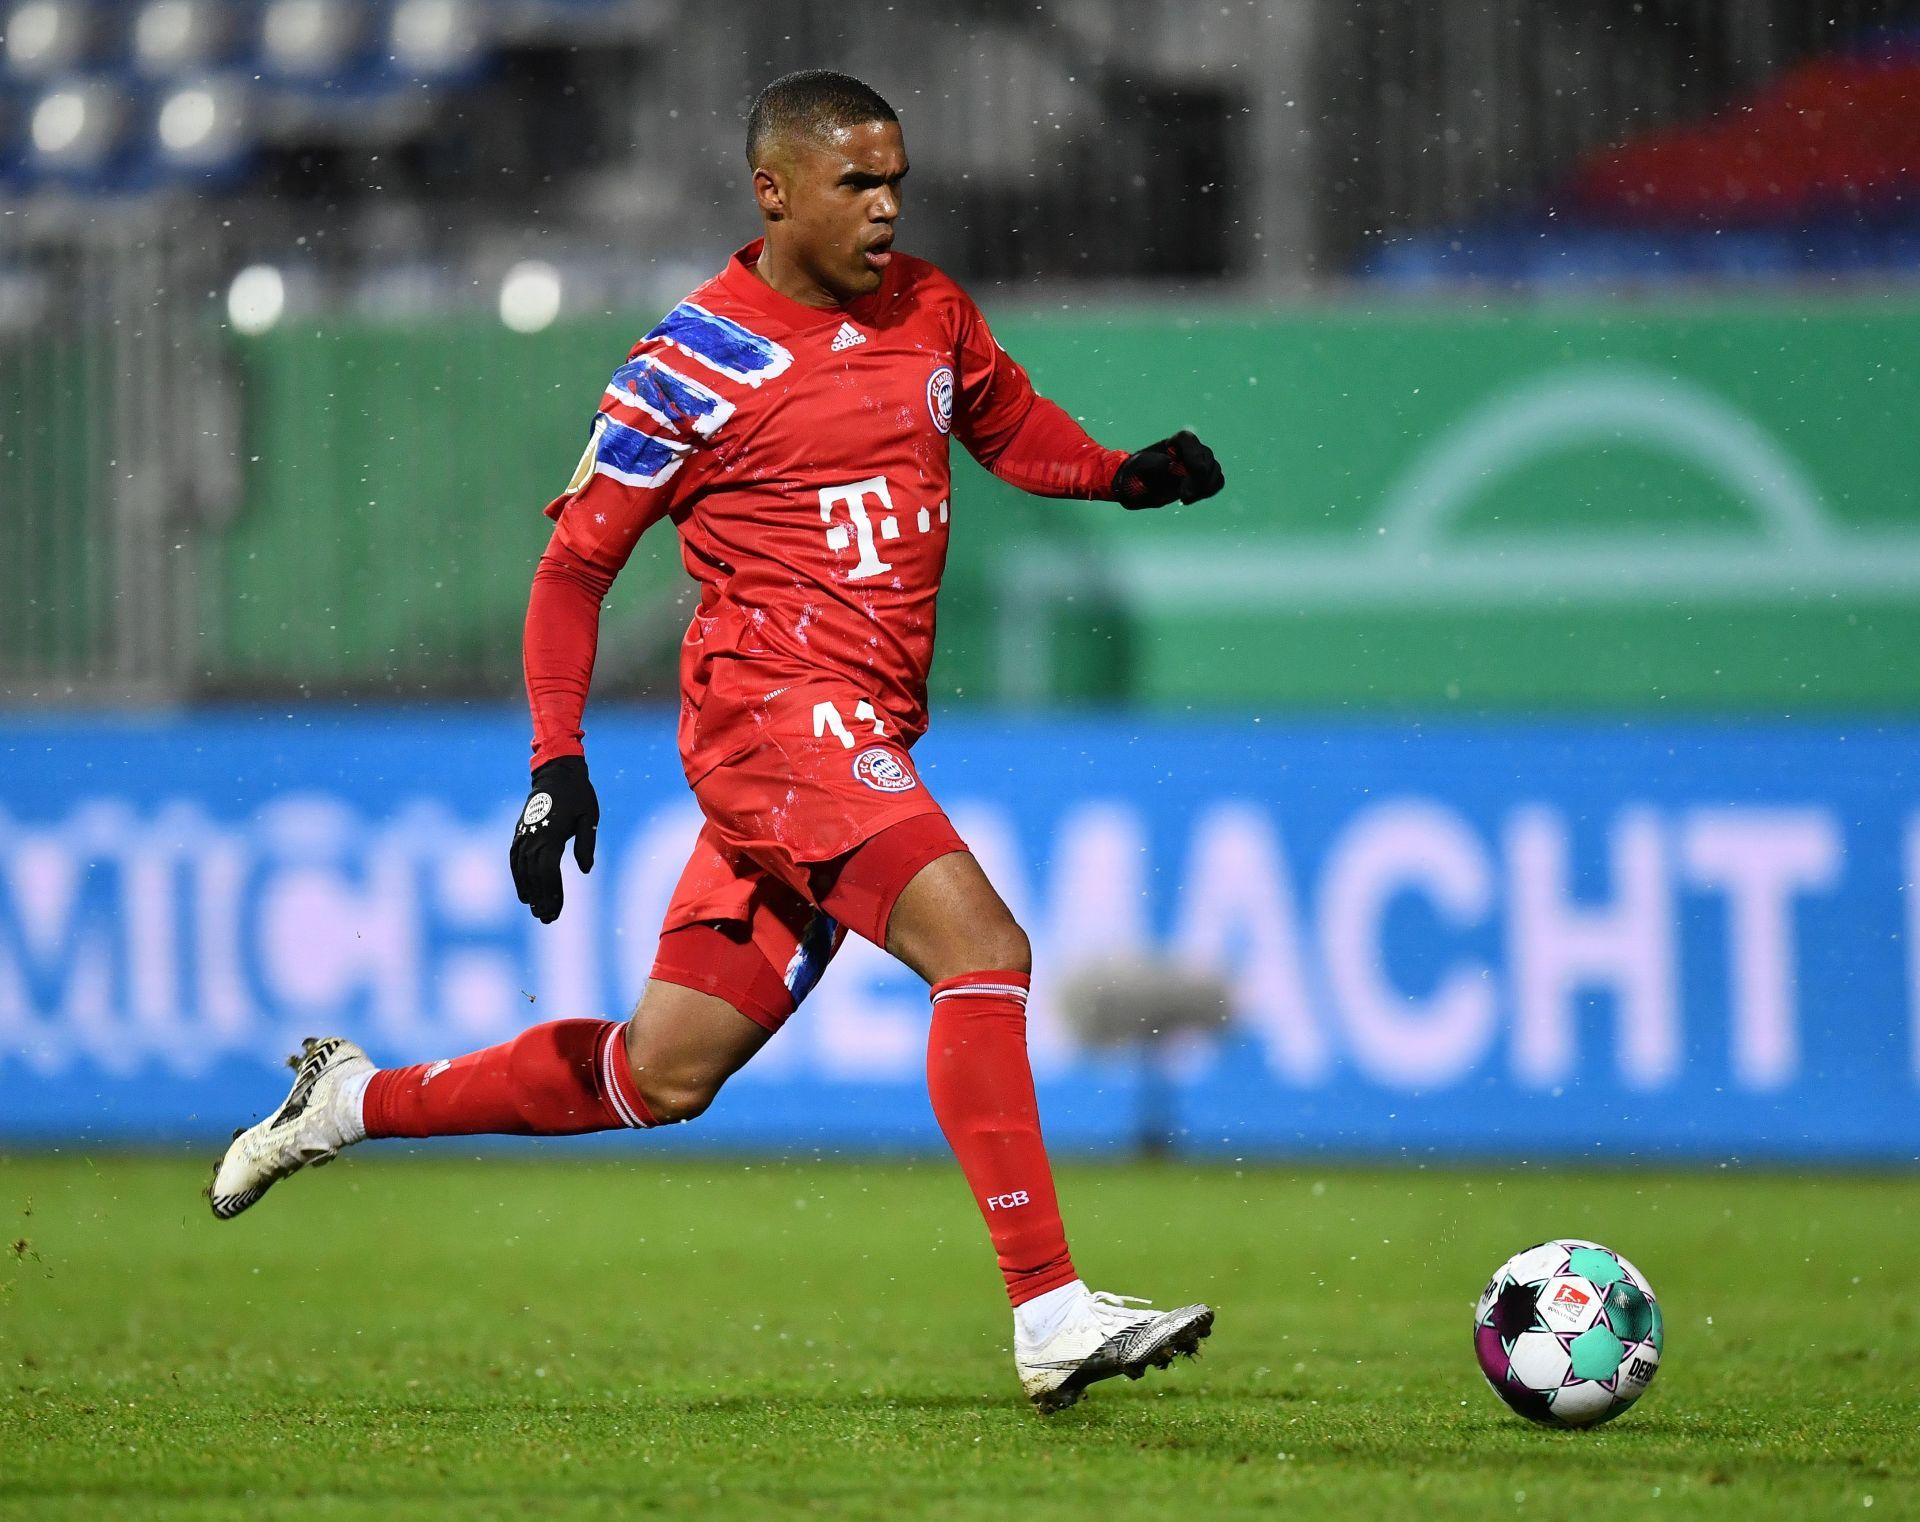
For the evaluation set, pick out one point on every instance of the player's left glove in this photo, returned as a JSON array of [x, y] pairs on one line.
[[561, 807], [1179, 469]]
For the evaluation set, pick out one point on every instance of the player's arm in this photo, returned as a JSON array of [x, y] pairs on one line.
[[1031, 442], [626, 481]]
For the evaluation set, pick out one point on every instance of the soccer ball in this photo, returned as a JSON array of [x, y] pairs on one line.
[[1568, 1333]]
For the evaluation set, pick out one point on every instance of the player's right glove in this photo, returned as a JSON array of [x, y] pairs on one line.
[[1179, 469], [561, 807]]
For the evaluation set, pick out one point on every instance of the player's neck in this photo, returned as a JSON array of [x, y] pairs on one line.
[[790, 280]]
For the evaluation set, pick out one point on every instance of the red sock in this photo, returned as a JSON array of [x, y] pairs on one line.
[[982, 1090], [557, 1079]]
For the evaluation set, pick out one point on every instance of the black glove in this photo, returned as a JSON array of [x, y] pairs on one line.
[[1179, 469], [560, 808]]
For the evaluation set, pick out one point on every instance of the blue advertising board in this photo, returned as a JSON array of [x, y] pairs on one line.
[[1524, 941]]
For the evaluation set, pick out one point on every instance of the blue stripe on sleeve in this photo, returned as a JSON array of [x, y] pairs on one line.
[[673, 398], [635, 458], [721, 344]]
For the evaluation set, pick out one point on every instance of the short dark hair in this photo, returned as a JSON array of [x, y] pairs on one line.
[[811, 103]]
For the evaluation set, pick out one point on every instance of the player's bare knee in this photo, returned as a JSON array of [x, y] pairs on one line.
[[949, 921], [673, 1097], [997, 946], [1005, 948], [681, 1104]]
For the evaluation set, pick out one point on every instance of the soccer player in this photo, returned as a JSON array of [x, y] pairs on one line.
[[792, 418]]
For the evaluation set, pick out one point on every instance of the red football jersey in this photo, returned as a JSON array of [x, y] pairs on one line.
[[802, 452]]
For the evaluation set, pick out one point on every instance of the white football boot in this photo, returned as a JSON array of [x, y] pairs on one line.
[[320, 1116], [1097, 1336]]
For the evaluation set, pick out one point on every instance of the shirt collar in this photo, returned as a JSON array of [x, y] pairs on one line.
[[740, 281]]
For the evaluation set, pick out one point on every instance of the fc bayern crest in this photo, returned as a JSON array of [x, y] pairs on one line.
[[940, 398], [881, 770]]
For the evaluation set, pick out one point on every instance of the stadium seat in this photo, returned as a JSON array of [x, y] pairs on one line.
[[1901, 246], [1422, 260], [1814, 175], [171, 38], [134, 94], [1599, 256], [312, 41], [439, 40], [202, 131], [77, 134], [14, 108], [1414, 262], [1736, 253], [1834, 133], [48, 39]]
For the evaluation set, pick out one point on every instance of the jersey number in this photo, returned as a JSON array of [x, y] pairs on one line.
[[827, 721]]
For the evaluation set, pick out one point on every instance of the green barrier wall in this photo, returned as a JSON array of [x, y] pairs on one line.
[[396, 478], [57, 554], [1646, 507]]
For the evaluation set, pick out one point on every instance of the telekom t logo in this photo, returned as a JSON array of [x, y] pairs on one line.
[[854, 498]]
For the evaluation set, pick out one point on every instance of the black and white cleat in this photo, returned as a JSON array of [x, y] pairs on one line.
[[1107, 1335], [310, 1127]]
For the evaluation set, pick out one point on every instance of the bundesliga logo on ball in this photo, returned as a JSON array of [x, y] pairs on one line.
[[1568, 1333]]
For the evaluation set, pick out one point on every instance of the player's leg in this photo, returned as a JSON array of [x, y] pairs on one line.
[[950, 926], [662, 1064], [949, 920], [860, 835], [847, 822], [720, 1000], [917, 889], [682, 1045], [713, 1001], [563, 1078]]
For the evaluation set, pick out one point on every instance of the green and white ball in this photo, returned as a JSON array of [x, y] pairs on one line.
[[1568, 1333]]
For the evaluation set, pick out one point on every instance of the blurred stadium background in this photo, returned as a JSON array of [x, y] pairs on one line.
[[1522, 750]]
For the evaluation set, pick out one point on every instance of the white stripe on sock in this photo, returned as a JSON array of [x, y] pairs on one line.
[[992, 990], [614, 1096]]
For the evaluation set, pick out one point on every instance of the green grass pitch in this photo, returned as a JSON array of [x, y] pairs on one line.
[[432, 1334]]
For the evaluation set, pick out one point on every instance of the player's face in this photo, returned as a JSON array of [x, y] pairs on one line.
[[838, 201]]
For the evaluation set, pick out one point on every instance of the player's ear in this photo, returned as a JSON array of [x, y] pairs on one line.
[[770, 192]]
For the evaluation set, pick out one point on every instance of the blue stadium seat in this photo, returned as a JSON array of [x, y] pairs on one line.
[[315, 42], [14, 106], [176, 38], [201, 132], [436, 41], [137, 94], [1737, 253], [1901, 244], [50, 39], [1426, 260], [1601, 256], [1557, 254], [81, 134]]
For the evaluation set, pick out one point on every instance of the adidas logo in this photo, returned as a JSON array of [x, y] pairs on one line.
[[847, 337]]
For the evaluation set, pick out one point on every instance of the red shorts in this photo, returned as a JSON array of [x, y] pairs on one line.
[[812, 830]]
